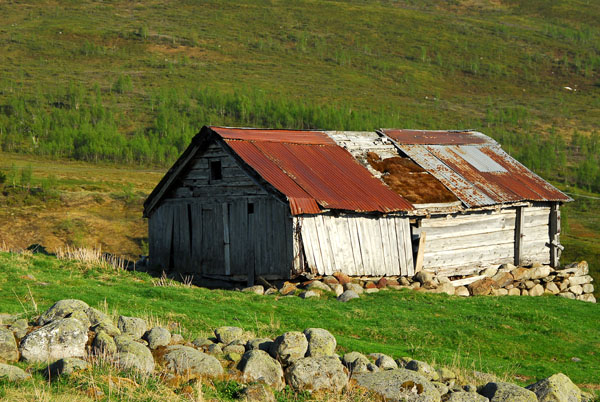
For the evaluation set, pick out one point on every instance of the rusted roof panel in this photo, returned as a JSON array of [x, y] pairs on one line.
[[435, 137], [287, 136]]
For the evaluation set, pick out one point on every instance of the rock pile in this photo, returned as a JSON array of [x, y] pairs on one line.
[[71, 336], [572, 281]]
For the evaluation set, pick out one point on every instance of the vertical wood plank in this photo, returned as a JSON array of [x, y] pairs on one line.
[[420, 252], [554, 235], [197, 238], [401, 244], [386, 268], [355, 244], [408, 246], [226, 240], [519, 219], [395, 245]]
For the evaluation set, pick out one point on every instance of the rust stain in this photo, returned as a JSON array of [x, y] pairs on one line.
[[268, 135], [410, 180]]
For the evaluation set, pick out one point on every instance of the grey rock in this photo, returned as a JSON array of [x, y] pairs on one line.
[[157, 336], [234, 348], [215, 349], [567, 295], [257, 365], [61, 338], [537, 290], [7, 319], [556, 388], [227, 335], [8, 345], [186, 360], [399, 385], [489, 272], [104, 344], [587, 298], [462, 291], [574, 269], [257, 393], [445, 374], [348, 295], [13, 373], [19, 328], [257, 289], [385, 362], [423, 277], [424, 369], [576, 290], [324, 373], [62, 309], [552, 288], [107, 327], [133, 355], [441, 387], [320, 342], [354, 287], [337, 289], [356, 362], [588, 288], [540, 272], [289, 347], [264, 344], [445, 287], [506, 392], [308, 294], [466, 397], [318, 285], [202, 343], [134, 326], [177, 339], [66, 367]]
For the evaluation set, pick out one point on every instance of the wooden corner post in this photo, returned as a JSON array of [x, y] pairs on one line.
[[555, 246], [519, 220]]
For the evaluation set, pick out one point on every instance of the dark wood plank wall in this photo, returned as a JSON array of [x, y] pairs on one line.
[[221, 227]]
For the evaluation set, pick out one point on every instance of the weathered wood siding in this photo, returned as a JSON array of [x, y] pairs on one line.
[[225, 227], [357, 245], [463, 244]]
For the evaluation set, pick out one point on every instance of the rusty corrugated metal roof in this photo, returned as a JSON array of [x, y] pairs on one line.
[[474, 167], [309, 166]]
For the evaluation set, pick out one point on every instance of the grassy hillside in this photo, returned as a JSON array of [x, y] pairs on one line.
[[513, 337]]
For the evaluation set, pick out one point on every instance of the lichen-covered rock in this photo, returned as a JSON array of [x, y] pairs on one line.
[[257, 289], [234, 348], [521, 274], [399, 385], [13, 373], [289, 347], [257, 393], [66, 366], [320, 342], [61, 338], [324, 373], [215, 349], [133, 326], [354, 287], [19, 328], [97, 317], [227, 335], [8, 345], [104, 344], [503, 279], [556, 388], [157, 336], [133, 355], [466, 397], [202, 343], [257, 365], [385, 362], [506, 392], [348, 295], [424, 369], [264, 344], [184, 360], [62, 309], [356, 362]]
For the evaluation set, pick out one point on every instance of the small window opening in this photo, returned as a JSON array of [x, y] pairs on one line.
[[215, 170], [250, 208]]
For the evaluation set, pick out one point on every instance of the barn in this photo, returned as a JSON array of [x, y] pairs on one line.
[[244, 203]]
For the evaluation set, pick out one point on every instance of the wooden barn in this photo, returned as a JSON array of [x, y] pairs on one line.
[[241, 203]]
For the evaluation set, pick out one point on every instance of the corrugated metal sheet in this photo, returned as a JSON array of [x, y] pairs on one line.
[[474, 167], [321, 171], [435, 137], [289, 136]]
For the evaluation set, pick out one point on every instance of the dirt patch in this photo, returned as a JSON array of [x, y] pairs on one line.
[[410, 180]]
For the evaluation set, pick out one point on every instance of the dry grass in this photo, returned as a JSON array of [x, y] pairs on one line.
[[92, 256]]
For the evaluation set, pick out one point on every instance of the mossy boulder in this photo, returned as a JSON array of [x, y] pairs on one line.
[[258, 365], [399, 385], [324, 373], [556, 388], [133, 326], [13, 373], [62, 309], [185, 360], [507, 392], [289, 347], [133, 355], [320, 342], [61, 338], [8, 345]]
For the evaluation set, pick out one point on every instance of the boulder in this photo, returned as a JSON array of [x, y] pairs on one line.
[[134, 326], [62, 309], [324, 373], [184, 360], [521, 274], [354, 287], [508, 267], [423, 277], [202, 343], [133, 355], [587, 298], [580, 280], [227, 335], [20, 328], [96, 316], [257, 365], [104, 344], [157, 336], [567, 295], [8, 345], [576, 290], [506, 392], [382, 283], [347, 296], [288, 289], [537, 290], [60, 338], [552, 288], [318, 285], [356, 362], [309, 294], [330, 280], [588, 288], [66, 367], [556, 388], [466, 397], [489, 272], [337, 289], [289, 347], [257, 289], [462, 291], [384, 362], [540, 272], [234, 348], [264, 344], [320, 342], [499, 292], [215, 349], [446, 287], [423, 368], [481, 287], [177, 339], [342, 278], [82, 317], [399, 385], [107, 327], [13, 373], [257, 393], [445, 374], [514, 292], [575, 269], [503, 279]]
